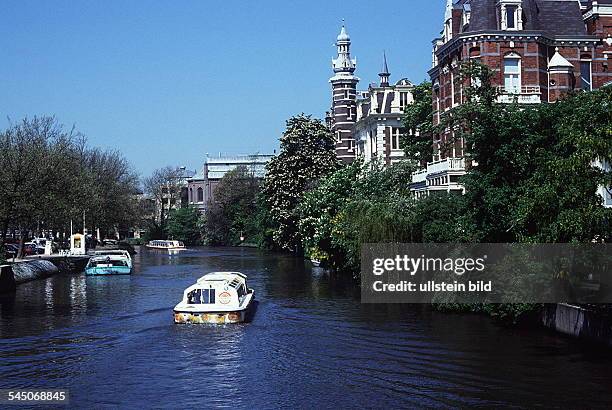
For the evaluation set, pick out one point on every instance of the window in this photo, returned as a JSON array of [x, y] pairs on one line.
[[586, 82], [511, 17], [200, 195], [512, 74], [190, 194], [395, 138], [404, 98], [208, 296]]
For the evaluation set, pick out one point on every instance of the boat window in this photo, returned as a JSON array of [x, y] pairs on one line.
[[241, 291], [195, 297], [208, 296]]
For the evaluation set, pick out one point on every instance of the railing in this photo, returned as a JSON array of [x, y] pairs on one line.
[[436, 167], [527, 94]]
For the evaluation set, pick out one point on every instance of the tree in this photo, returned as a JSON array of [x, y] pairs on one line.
[[164, 185], [321, 206], [234, 212], [49, 177], [534, 180], [184, 225], [112, 204], [307, 153], [418, 117]]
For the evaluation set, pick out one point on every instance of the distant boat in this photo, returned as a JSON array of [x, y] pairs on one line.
[[220, 297], [168, 245], [109, 263]]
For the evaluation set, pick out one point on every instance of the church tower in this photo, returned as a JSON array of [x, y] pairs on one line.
[[344, 101]]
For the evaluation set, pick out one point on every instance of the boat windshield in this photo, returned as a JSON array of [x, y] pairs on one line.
[[201, 297]]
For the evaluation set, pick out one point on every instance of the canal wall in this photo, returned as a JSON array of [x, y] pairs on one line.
[[578, 322], [26, 271], [7, 279]]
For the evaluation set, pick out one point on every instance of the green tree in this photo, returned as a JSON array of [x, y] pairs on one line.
[[307, 153], [320, 207], [418, 140], [184, 225], [234, 212]]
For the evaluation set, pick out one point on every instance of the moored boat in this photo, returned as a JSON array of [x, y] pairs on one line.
[[219, 297], [109, 264], [168, 245]]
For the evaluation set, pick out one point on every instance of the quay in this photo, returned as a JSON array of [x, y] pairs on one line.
[[37, 267]]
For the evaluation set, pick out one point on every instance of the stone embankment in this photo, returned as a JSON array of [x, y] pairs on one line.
[[578, 322], [25, 271]]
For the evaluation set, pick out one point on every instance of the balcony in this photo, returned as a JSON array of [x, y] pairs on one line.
[[445, 165], [528, 94], [452, 166]]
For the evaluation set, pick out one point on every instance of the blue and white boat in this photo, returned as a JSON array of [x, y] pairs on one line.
[[109, 263]]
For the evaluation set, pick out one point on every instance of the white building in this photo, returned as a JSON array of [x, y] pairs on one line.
[[380, 112]]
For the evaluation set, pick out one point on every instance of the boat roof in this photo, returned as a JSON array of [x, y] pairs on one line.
[[231, 277], [112, 252], [105, 257]]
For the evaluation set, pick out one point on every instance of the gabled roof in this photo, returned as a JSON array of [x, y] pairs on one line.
[[558, 61]]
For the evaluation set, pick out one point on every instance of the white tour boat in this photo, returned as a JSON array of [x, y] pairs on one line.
[[168, 245], [220, 297]]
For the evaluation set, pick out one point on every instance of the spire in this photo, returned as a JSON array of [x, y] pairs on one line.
[[343, 63], [449, 10], [384, 74], [343, 36]]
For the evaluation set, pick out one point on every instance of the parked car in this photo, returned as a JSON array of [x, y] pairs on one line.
[[30, 248], [10, 251]]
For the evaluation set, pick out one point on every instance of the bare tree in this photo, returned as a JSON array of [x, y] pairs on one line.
[[164, 186]]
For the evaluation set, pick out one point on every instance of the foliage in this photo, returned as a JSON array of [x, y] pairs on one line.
[[417, 142], [184, 225], [359, 203], [49, 177], [307, 153], [233, 215], [535, 180], [321, 206]]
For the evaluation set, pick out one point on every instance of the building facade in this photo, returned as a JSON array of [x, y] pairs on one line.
[[380, 112], [366, 123], [201, 187], [538, 50]]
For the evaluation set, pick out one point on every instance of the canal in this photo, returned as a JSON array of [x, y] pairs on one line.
[[111, 341]]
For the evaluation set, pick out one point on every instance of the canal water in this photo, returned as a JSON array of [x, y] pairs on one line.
[[112, 342]]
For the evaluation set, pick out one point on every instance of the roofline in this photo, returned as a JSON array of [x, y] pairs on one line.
[[505, 35]]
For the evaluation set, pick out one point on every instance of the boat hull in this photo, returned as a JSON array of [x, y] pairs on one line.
[[194, 317], [103, 271]]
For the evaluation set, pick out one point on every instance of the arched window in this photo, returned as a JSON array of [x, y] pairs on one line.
[[512, 73], [200, 195], [190, 194]]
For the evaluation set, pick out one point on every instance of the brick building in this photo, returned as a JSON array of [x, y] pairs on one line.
[[538, 49]]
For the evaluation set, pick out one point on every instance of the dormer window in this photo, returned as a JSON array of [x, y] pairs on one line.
[[511, 17], [511, 14]]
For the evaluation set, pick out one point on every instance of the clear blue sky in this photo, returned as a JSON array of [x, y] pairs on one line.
[[167, 81]]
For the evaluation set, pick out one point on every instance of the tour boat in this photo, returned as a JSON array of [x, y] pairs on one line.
[[219, 297], [109, 263], [168, 245]]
